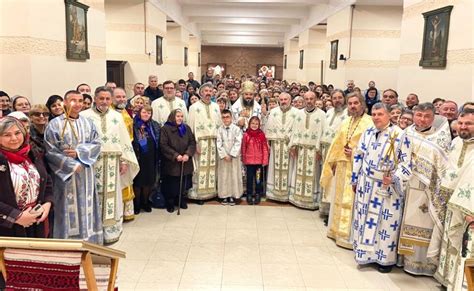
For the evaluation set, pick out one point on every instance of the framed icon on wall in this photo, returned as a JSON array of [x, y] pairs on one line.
[[159, 50], [267, 71], [301, 59], [77, 47], [333, 58]]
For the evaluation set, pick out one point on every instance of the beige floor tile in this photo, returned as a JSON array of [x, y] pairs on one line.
[[162, 272], [242, 253], [361, 278], [129, 271], [268, 211], [213, 210], [210, 253], [212, 222], [241, 288], [155, 286], [301, 223], [202, 274], [274, 237], [271, 223], [142, 234], [277, 254], [127, 286], [279, 288], [170, 252], [182, 235], [138, 250], [314, 255], [242, 274], [181, 222], [199, 287], [293, 212], [242, 211], [306, 238], [322, 276], [209, 235], [241, 222], [398, 280], [281, 275], [344, 257], [243, 236]]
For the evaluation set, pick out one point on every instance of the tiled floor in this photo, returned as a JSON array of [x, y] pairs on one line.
[[214, 247]]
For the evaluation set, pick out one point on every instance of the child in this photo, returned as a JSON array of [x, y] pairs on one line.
[[254, 157], [229, 177]]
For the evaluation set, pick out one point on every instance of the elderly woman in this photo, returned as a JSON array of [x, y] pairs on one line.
[[177, 145], [39, 115], [22, 117], [21, 103], [55, 106], [146, 139], [26, 195]]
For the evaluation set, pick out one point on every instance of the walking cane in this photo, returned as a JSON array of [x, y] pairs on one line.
[[180, 187]]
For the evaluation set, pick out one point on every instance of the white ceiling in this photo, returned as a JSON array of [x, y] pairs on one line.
[[255, 22]]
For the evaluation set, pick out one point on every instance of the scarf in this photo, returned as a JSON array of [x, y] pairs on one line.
[[256, 134], [19, 156], [181, 128], [146, 126]]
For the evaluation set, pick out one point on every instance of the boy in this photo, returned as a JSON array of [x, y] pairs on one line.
[[229, 177]]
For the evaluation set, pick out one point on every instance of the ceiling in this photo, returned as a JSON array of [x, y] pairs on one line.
[[257, 22]]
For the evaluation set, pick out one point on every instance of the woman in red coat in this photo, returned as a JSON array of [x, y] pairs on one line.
[[254, 157]]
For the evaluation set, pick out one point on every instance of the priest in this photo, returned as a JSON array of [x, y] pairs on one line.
[[278, 131], [163, 106], [72, 149], [425, 204], [117, 164], [204, 120], [306, 143], [337, 170], [245, 107], [380, 170]]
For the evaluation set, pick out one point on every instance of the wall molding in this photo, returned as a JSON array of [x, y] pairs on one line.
[[417, 9], [13, 45], [95, 4], [316, 46], [454, 57], [379, 64], [365, 33]]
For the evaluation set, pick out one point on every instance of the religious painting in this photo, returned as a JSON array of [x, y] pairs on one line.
[[333, 59], [199, 59], [159, 50], [76, 30], [218, 69], [285, 59], [301, 59], [185, 56], [267, 71], [435, 38]]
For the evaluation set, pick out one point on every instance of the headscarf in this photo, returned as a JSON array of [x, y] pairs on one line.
[[172, 122], [147, 127], [256, 134], [21, 154]]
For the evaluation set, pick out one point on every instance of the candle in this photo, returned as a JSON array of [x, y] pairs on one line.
[[66, 120]]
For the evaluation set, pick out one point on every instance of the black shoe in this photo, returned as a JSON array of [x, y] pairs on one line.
[[231, 201], [147, 208], [136, 210], [200, 202], [385, 269], [184, 205], [249, 200], [257, 199], [326, 221], [225, 201], [170, 209]]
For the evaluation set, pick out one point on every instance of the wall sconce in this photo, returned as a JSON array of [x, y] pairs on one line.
[[343, 58]]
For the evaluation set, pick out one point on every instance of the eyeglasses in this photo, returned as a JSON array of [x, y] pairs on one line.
[[169, 88], [38, 114]]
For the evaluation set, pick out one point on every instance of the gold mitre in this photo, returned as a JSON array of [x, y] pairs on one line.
[[247, 87]]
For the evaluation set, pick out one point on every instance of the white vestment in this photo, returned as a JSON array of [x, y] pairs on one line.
[[278, 131], [204, 120], [229, 178], [163, 107], [238, 107], [116, 148]]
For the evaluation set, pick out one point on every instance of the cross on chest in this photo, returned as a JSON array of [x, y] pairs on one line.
[[375, 145], [360, 253], [407, 142], [370, 131], [380, 254]]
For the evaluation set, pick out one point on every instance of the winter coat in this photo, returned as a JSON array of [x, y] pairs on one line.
[[172, 145], [254, 152]]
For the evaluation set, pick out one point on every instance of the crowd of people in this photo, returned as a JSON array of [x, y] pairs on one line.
[[390, 177]]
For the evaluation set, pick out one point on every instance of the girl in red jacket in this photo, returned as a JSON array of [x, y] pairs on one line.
[[254, 157]]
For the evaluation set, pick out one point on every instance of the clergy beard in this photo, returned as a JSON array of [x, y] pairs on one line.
[[285, 108], [339, 109], [354, 114], [248, 103], [120, 106]]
